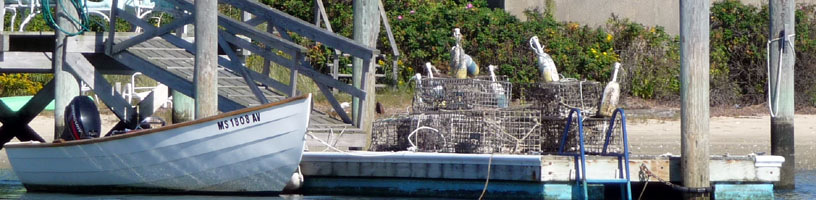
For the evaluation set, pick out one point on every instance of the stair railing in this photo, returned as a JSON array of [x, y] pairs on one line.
[[283, 51]]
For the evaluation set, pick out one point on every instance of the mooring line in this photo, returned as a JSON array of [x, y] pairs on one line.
[[487, 180], [675, 187]]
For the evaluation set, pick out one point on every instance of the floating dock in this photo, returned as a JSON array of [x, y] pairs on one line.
[[448, 175]]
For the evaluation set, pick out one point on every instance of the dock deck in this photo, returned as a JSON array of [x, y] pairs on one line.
[[521, 176]]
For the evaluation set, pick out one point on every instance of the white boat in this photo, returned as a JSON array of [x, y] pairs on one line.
[[252, 150]]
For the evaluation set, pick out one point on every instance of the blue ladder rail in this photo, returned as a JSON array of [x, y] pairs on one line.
[[623, 157]]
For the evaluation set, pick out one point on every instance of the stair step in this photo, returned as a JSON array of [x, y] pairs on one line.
[[349, 75]]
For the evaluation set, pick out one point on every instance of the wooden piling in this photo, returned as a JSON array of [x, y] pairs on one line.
[[366, 30], [2, 27], [205, 78], [66, 86], [183, 107], [694, 92], [782, 25]]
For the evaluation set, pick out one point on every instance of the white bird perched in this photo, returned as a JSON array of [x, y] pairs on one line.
[[433, 68], [498, 90], [418, 78], [546, 66], [461, 63], [430, 69], [438, 90], [611, 95]]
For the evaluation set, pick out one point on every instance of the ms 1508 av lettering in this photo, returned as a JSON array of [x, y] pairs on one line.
[[240, 120]]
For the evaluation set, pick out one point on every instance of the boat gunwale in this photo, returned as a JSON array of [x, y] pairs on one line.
[[155, 130]]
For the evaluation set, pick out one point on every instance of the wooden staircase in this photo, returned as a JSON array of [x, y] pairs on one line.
[[169, 59]]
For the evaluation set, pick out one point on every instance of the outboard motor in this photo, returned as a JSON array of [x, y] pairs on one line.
[[81, 120]]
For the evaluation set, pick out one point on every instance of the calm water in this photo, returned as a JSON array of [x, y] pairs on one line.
[[12, 189]]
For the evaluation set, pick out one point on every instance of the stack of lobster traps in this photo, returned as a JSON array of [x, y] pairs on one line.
[[477, 116]]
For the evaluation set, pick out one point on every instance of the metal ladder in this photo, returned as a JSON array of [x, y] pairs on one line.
[[623, 157]]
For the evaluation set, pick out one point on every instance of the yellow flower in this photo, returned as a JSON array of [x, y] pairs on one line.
[[608, 37], [572, 26], [604, 53]]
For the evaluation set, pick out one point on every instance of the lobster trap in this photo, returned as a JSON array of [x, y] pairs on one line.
[[435, 94], [597, 135], [391, 134], [461, 131], [557, 98]]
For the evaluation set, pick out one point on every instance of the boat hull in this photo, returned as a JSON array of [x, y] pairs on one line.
[[253, 150]]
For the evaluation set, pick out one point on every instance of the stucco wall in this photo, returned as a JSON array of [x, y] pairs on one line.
[[664, 13]]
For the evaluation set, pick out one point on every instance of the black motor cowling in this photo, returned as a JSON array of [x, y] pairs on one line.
[[81, 120]]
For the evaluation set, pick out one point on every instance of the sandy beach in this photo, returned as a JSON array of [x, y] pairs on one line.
[[729, 135]]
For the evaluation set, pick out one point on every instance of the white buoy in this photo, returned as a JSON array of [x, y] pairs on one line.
[[295, 183], [611, 94], [429, 68], [546, 66], [458, 65], [498, 90], [418, 78]]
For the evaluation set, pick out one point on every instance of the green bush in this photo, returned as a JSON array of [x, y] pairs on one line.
[[22, 84], [650, 59]]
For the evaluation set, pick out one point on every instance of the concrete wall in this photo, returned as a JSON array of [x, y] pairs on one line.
[[596, 12]]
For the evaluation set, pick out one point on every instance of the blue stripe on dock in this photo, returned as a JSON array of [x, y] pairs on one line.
[[743, 191], [439, 188]]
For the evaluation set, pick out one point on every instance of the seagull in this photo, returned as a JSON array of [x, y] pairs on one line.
[[430, 69]]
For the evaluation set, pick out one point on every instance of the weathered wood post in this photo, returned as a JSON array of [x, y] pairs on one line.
[[183, 107], [2, 27], [245, 16], [782, 27], [206, 58], [366, 30], [694, 88], [66, 86]]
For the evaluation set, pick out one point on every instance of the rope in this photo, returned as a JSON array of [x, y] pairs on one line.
[[81, 9], [518, 141], [679, 188], [774, 102], [487, 180], [414, 147], [346, 152], [644, 187]]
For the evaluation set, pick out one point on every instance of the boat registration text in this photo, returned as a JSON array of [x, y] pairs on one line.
[[240, 120]]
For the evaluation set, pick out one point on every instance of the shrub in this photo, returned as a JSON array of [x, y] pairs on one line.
[[21, 84]]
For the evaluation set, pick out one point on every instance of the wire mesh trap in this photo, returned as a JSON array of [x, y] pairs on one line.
[[557, 98], [595, 135], [472, 116], [434, 94], [462, 131], [391, 134]]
